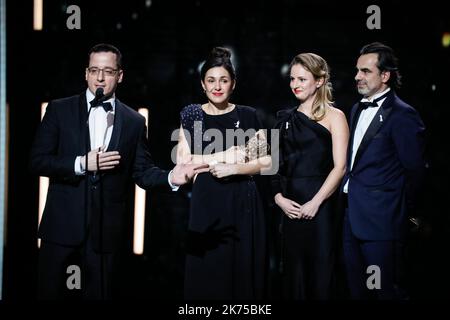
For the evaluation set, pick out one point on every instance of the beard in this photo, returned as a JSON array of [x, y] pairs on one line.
[[363, 90]]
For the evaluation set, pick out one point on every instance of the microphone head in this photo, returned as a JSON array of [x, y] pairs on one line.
[[99, 93]]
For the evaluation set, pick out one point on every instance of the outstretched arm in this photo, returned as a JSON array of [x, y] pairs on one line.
[[184, 155], [256, 166], [145, 173]]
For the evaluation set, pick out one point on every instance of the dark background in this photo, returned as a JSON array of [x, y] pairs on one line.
[[163, 45]]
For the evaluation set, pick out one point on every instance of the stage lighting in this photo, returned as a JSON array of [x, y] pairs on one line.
[[139, 208]]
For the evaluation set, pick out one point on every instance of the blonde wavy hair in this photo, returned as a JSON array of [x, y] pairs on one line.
[[319, 69]]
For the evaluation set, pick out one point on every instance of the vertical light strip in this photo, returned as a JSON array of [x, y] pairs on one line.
[[3, 135], [139, 208], [38, 14], [43, 182]]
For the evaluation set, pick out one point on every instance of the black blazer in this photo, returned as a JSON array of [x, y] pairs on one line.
[[59, 140]]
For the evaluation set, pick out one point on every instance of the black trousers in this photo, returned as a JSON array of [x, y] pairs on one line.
[[57, 272], [386, 256]]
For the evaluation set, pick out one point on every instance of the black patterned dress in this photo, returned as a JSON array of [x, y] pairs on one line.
[[226, 245]]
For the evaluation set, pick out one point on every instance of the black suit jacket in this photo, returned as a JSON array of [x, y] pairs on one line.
[[61, 137]]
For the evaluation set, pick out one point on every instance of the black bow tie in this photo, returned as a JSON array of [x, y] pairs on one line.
[[106, 105], [366, 104]]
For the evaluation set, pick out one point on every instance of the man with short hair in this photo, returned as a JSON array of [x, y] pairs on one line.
[[86, 210], [385, 167]]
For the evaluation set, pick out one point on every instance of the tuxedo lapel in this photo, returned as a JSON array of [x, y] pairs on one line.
[[117, 128], [377, 122], [356, 111], [82, 122]]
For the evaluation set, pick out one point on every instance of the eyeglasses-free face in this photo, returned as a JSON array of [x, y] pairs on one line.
[[218, 85], [369, 79]]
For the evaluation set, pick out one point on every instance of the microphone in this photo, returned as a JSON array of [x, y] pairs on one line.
[[98, 97]]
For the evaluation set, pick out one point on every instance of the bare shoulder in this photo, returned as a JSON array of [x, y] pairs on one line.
[[337, 119], [334, 113]]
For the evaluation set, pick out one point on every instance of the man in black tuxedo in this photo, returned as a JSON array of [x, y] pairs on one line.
[[86, 210], [385, 169]]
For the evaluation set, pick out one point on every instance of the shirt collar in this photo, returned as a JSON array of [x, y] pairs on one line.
[[375, 96]]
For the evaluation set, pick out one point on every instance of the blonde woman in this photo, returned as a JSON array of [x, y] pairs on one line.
[[313, 144]]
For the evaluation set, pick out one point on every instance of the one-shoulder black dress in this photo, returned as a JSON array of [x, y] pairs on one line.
[[308, 250]]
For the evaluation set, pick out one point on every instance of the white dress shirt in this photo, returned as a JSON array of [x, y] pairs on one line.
[[101, 125], [365, 119]]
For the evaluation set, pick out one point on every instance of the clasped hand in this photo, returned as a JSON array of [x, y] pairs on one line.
[[232, 156], [294, 210]]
